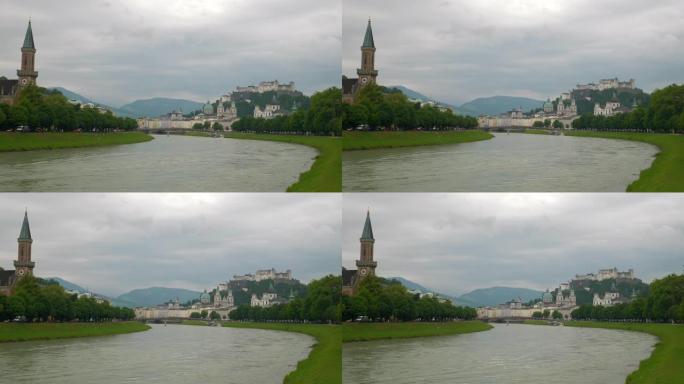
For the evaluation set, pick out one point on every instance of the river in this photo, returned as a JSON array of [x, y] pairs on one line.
[[166, 164], [506, 163], [172, 354], [505, 354]]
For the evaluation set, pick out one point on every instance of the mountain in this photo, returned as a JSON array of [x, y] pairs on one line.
[[410, 93], [67, 284], [497, 295], [73, 95], [158, 106], [153, 296], [500, 104], [410, 284]]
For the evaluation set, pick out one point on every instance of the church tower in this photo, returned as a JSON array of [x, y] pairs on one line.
[[365, 264], [27, 74], [367, 73], [23, 264]]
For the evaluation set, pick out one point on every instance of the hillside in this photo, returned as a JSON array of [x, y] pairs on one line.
[[497, 295], [410, 284], [156, 295], [584, 290], [69, 286], [496, 105], [158, 106]]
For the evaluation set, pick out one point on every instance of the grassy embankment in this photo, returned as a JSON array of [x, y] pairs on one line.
[[48, 331], [667, 171], [353, 141], [12, 142], [325, 174], [378, 331], [666, 363], [324, 363]]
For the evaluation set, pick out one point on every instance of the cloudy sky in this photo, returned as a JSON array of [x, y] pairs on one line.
[[455, 243], [118, 51], [114, 243], [458, 50]]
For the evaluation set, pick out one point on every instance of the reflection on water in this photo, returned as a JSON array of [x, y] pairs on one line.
[[173, 354], [505, 354], [507, 163], [166, 164]]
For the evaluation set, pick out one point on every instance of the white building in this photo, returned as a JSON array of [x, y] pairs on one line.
[[608, 299], [610, 109], [223, 297], [270, 111], [605, 274], [266, 300]]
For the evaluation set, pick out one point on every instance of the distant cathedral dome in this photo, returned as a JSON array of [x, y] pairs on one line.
[[547, 297], [208, 109]]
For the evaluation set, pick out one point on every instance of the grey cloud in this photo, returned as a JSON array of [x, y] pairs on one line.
[[116, 52], [458, 242], [115, 242], [458, 50]]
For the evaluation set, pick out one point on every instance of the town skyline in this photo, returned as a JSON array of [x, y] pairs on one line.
[[460, 58], [455, 244], [118, 52], [111, 244]]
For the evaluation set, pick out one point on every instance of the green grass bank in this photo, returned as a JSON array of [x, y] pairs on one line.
[[379, 331], [666, 363], [354, 140], [325, 174], [48, 331], [12, 142], [324, 363], [666, 174]]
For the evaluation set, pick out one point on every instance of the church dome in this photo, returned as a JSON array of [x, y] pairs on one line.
[[547, 297], [208, 109]]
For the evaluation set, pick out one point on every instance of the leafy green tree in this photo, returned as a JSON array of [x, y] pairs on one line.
[[217, 126], [204, 313], [195, 315], [556, 315], [214, 315], [557, 124]]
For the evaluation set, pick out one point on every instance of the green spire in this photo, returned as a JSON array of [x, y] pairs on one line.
[[28, 39], [368, 39], [367, 229], [25, 233]]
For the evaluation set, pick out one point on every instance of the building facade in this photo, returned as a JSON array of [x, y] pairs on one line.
[[367, 74], [23, 264], [10, 89], [365, 265]]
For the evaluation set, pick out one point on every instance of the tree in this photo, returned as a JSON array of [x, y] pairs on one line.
[[557, 124], [204, 313], [538, 124], [195, 315], [198, 126], [546, 314], [547, 123], [214, 315], [537, 315], [557, 315], [217, 126]]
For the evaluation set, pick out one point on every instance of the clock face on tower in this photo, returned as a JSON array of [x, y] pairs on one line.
[[20, 272], [363, 271], [24, 81], [364, 80]]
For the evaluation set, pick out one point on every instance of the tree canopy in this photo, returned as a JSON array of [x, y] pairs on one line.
[[664, 303], [320, 304], [38, 108], [49, 302], [376, 108], [664, 113], [322, 117], [379, 300]]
